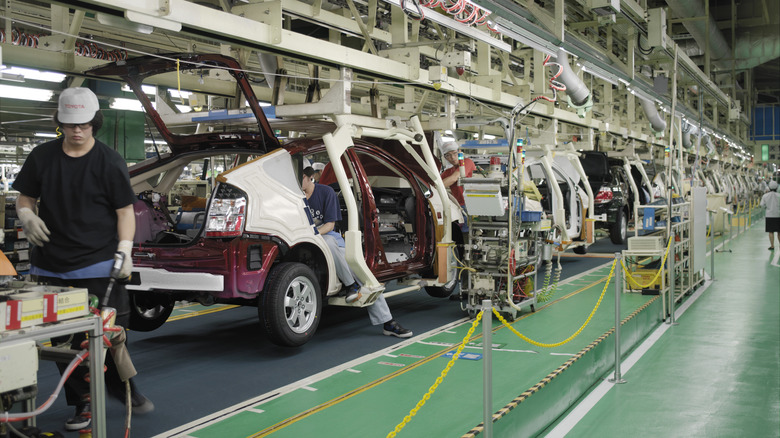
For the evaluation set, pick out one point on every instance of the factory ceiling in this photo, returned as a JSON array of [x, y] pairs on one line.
[[443, 60]]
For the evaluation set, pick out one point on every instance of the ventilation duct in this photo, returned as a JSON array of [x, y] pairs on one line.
[[578, 94], [687, 131], [657, 122], [720, 53], [269, 65]]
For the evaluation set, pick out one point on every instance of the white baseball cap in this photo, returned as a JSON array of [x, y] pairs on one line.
[[318, 166], [77, 105], [449, 146], [772, 185]]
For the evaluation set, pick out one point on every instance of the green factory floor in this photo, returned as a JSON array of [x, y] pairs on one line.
[[714, 374], [717, 373]]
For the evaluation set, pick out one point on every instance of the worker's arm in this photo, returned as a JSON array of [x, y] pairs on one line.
[[125, 223], [125, 230], [24, 201], [326, 228], [36, 231], [450, 180]]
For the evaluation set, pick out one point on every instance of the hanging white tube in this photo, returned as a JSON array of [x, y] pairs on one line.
[[575, 88], [657, 121]]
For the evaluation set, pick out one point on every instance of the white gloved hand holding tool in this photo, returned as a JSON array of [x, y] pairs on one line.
[[125, 247], [34, 228]]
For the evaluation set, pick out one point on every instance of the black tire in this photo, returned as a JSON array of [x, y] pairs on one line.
[[582, 249], [443, 291], [447, 290], [619, 230], [149, 310], [292, 304]]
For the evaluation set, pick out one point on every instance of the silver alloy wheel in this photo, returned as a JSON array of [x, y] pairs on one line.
[[300, 304]]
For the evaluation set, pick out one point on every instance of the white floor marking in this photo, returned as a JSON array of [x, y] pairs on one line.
[[309, 388], [562, 354], [354, 371], [257, 411], [183, 430], [582, 409]]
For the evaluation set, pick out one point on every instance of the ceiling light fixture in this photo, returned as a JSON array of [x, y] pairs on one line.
[[35, 75], [24, 93]]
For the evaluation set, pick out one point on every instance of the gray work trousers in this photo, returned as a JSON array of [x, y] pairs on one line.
[[379, 312]]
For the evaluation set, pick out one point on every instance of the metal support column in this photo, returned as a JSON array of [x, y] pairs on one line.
[[672, 280], [618, 378], [487, 367], [712, 246]]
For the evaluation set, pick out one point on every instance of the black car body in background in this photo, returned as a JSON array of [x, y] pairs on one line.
[[613, 198]]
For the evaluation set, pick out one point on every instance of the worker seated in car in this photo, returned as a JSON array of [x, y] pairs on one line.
[[324, 208]]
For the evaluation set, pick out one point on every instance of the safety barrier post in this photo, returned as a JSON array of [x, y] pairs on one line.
[[712, 245], [618, 295], [731, 226], [487, 367], [672, 280]]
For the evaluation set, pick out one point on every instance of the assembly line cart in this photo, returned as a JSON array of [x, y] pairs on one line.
[[91, 324]]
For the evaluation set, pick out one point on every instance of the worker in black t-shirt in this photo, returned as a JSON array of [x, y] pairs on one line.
[[84, 218]]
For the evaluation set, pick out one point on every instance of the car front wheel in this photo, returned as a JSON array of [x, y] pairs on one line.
[[617, 234], [291, 305], [148, 311]]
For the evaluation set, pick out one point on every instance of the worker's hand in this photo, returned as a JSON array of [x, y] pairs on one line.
[[125, 247], [34, 228]]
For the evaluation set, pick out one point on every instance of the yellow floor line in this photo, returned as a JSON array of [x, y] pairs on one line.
[[294, 419], [202, 312]]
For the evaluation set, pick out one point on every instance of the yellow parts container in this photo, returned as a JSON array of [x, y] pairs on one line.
[[640, 279]]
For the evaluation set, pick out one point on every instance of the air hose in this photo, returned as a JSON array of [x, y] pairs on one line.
[[548, 290]]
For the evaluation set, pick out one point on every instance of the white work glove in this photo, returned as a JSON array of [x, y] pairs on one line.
[[34, 228], [125, 247]]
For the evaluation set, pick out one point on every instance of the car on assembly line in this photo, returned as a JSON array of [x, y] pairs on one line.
[[248, 237], [614, 199]]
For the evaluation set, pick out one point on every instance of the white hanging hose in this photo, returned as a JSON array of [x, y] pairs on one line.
[[6, 417]]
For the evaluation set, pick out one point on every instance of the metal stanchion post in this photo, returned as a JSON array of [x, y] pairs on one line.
[[618, 378], [731, 225], [672, 281], [487, 367], [712, 246]]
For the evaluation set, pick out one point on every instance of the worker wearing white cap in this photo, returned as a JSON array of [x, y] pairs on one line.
[[318, 167], [771, 202], [450, 175], [85, 217]]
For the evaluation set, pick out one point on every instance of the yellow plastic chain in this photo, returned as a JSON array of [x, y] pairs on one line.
[[540, 344], [642, 286], [438, 381]]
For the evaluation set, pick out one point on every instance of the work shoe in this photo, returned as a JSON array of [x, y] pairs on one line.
[[392, 328], [82, 419], [353, 293], [141, 404]]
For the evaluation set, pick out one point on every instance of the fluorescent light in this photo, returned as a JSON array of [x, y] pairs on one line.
[[24, 93], [148, 89], [119, 103], [46, 134], [184, 94], [488, 137], [36, 75]]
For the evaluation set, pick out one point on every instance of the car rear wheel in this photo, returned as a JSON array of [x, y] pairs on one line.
[[148, 311], [617, 234], [446, 290], [292, 304]]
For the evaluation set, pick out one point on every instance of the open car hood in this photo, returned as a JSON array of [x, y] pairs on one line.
[[135, 71]]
